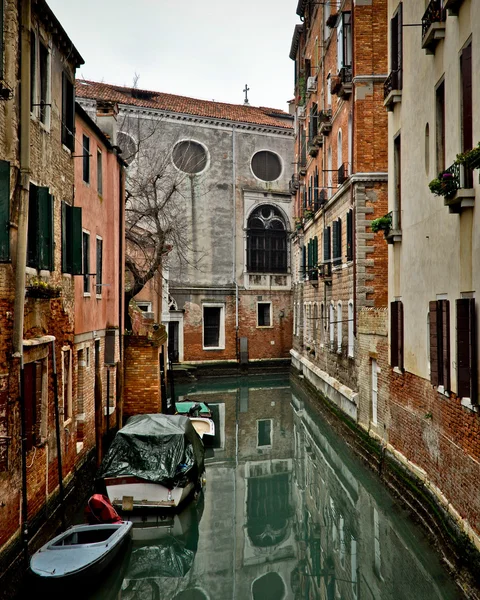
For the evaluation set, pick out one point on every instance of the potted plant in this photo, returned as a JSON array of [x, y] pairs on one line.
[[443, 185], [382, 224], [38, 288], [308, 214], [470, 159]]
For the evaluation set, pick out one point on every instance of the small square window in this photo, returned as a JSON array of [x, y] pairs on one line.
[[264, 433], [264, 314]]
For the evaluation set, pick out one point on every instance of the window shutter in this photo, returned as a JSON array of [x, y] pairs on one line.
[[466, 349], [400, 46], [326, 244], [45, 229], [334, 241], [350, 235], [339, 44], [304, 262], [339, 241], [32, 243], [65, 235], [76, 240], [445, 329], [396, 334], [434, 358], [4, 209], [315, 251], [466, 70]]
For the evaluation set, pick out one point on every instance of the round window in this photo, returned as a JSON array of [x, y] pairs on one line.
[[266, 165], [127, 145], [189, 157]]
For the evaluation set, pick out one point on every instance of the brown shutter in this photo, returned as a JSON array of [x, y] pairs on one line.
[[466, 69], [394, 334], [433, 342], [400, 335], [466, 349], [445, 327]]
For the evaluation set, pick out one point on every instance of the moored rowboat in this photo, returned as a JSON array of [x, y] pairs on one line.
[[80, 550]]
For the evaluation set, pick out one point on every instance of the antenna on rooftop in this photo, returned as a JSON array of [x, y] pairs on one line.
[[246, 89]]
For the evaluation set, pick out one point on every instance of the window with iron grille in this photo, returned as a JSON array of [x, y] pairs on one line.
[[350, 235], [266, 241], [266, 165], [190, 157]]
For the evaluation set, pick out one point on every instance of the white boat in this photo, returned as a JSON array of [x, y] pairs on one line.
[[80, 551], [199, 414], [129, 493], [155, 461], [203, 426]]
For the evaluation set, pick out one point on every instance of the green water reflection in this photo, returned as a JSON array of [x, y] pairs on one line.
[[288, 513]]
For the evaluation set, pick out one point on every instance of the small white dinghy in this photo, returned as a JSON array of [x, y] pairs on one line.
[[80, 550]]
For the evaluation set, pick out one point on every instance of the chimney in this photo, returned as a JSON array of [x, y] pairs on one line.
[[107, 113]]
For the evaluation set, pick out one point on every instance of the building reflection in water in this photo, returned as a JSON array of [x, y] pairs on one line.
[[288, 513]]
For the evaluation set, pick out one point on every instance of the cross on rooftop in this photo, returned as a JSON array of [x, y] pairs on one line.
[[246, 89]]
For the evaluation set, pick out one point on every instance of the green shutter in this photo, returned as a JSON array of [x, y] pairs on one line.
[[45, 229], [4, 210], [32, 244], [76, 241], [65, 257]]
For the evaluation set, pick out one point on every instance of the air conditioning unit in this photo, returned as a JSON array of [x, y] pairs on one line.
[[312, 84], [301, 112]]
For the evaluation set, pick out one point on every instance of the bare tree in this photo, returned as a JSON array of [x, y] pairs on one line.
[[155, 203]]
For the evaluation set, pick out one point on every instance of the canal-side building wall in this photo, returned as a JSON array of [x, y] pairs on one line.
[[36, 152], [340, 186], [431, 396], [99, 201], [228, 295]]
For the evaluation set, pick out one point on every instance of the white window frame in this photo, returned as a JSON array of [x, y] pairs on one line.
[[68, 401], [221, 335], [339, 326], [332, 325], [374, 380], [36, 110], [89, 266], [339, 149], [271, 433], [99, 172], [97, 293], [270, 318], [351, 341]]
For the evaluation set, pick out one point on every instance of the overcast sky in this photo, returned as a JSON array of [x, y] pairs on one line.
[[206, 49]]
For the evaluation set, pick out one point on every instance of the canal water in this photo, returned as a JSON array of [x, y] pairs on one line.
[[288, 513]]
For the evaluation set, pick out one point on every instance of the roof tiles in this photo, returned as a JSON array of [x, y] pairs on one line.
[[263, 116]]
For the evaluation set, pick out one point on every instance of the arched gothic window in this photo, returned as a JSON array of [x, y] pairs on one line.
[[266, 241]]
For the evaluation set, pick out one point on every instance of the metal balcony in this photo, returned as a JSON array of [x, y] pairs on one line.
[[392, 89], [433, 25], [457, 184], [341, 84], [342, 174]]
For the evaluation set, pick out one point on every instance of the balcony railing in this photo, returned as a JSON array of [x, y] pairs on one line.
[[320, 200], [433, 24], [342, 174], [392, 82], [457, 187], [341, 84]]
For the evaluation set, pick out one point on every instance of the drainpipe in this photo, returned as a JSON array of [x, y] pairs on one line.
[[234, 225], [352, 195], [58, 435], [21, 255], [21, 249]]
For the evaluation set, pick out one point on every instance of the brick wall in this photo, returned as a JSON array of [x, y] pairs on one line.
[[142, 376]]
